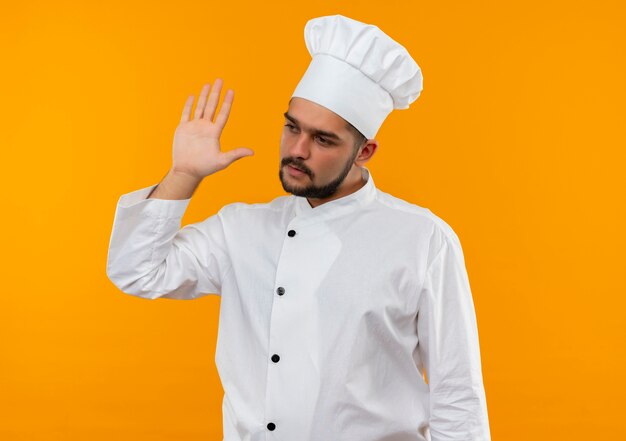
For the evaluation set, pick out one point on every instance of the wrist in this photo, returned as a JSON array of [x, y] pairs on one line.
[[185, 176], [176, 185]]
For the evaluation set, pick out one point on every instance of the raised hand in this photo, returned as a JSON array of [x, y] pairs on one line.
[[196, 150]]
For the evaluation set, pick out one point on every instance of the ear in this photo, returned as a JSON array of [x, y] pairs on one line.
[[366, 152]]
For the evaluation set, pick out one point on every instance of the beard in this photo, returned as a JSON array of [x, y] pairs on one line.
[[313, 191]]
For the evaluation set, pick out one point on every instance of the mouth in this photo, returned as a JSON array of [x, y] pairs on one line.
[[294, 171]]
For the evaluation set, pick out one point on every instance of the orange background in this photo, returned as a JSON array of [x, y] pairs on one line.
[[517, 141]]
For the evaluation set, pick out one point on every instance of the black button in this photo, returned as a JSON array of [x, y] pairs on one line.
[[291, 233], [271, 426], [280, 291], [275, 358]]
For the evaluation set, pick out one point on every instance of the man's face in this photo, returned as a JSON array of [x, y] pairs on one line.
[[318, 142]]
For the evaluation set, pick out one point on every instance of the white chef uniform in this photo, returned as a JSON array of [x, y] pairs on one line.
[[329, 316]]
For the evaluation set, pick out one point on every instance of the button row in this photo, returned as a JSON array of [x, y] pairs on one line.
[[275, 358]]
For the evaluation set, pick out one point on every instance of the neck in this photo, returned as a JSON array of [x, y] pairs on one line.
[[353, 182]]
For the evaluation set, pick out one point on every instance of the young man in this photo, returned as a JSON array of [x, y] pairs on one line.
[[346, 313]]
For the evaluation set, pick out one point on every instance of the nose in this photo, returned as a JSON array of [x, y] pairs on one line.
[[299, 147]]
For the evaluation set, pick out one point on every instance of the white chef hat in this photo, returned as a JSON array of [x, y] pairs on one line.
[[357, 71]]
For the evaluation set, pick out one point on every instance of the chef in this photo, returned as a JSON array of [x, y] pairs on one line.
[[346, 313]]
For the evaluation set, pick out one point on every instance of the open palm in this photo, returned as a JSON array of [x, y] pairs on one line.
[[196, 149]]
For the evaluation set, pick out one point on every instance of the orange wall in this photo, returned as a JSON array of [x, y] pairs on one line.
[[517, 142]]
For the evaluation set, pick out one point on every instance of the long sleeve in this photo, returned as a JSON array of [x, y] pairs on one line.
[[150, 256], [449, 347]]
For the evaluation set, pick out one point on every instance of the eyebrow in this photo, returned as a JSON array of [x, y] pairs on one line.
[[314, 131]]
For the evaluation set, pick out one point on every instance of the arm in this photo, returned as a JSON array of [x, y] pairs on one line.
[[149, 255], [449, 347]]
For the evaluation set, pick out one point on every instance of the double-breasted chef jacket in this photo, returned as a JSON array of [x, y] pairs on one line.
[[350, 321]]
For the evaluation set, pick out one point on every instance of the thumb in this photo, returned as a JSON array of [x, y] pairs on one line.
[[238, 153]]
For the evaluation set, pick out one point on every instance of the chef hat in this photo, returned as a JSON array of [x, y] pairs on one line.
[[357, 71]]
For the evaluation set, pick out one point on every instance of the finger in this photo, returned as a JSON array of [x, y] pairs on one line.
[[214, 97], [233, 155], [222, 116], [201, 101], [187, 109]]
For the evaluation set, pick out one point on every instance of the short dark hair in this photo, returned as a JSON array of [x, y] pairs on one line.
[[359, 138]]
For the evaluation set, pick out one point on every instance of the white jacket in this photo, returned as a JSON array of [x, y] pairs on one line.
[[353, 320]]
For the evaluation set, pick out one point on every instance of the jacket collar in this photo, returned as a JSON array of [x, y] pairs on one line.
[[337, 207]]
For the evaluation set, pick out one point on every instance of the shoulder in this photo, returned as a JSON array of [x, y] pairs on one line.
[[435, 234], [416, 214]]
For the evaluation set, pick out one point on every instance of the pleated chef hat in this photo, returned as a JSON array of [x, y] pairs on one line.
[[357, 71]]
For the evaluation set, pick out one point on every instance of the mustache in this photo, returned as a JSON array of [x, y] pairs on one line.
[[297, 164]]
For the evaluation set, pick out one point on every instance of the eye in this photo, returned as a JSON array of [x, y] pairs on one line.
[[290, 126], [324, 141]]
